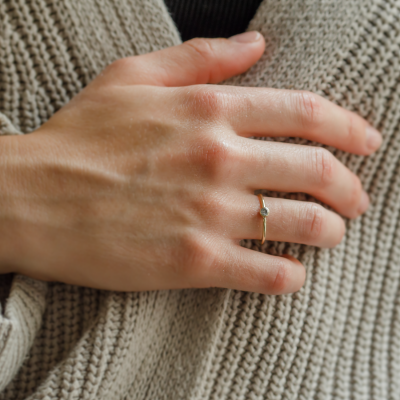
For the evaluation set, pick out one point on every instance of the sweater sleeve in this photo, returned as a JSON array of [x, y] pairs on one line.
[[22, 303]]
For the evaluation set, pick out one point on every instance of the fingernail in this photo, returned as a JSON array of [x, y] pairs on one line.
[[374, 138], [364, 203], [247, 37]]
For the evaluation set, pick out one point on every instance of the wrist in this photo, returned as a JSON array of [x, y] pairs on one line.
[[14, 205]]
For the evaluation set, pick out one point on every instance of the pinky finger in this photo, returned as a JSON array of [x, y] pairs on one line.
[[249, 270]]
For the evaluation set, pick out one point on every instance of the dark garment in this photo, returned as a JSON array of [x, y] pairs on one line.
[[211, 18]]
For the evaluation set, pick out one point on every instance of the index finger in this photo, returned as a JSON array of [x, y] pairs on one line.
[[276, 112]]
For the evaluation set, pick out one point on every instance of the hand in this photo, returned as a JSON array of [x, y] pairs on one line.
[[146, 179]]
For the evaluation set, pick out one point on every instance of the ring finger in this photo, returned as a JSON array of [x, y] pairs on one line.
[[289, 221]]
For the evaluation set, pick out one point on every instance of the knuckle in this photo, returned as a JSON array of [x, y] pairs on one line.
[[312, 223], [202, 48], [323, 163], [308, 108], [207, 103], [212, 155]]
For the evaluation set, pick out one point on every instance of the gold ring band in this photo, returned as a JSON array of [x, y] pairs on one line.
[[264, 212]]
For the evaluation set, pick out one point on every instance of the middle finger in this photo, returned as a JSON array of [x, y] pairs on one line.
[[290, 168]]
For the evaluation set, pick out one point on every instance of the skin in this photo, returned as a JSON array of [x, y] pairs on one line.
[[146, 179]]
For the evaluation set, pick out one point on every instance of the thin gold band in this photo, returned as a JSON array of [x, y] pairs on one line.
[[264, 212]]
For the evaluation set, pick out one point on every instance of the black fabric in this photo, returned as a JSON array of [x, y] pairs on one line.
[[211, 18]]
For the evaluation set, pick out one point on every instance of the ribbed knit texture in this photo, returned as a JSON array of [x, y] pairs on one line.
[[337, 338], [211, 18]]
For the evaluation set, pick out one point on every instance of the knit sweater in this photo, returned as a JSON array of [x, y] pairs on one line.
[[337, 338]]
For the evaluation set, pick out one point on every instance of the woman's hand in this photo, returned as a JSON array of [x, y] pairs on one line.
[[146, 179]]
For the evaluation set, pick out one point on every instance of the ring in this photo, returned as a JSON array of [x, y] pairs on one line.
[[264, 212]]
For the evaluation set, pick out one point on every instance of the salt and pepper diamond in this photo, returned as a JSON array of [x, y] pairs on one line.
[[264, 212]]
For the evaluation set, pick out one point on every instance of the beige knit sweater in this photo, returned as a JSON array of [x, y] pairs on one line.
[[338, 338]]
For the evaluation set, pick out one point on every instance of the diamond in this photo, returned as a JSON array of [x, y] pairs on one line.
[[264, 212]]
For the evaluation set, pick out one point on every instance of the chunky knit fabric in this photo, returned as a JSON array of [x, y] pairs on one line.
[[337, 338]]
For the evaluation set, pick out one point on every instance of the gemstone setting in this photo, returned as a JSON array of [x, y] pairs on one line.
[[264, 212]]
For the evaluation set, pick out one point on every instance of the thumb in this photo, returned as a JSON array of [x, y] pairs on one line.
[[196, 61]]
